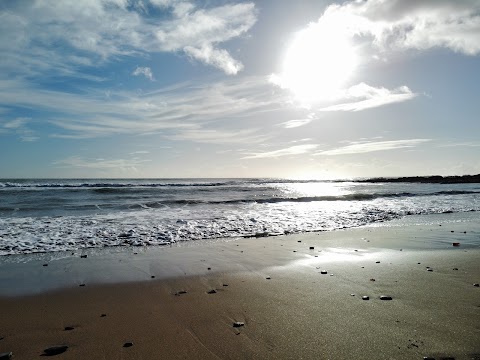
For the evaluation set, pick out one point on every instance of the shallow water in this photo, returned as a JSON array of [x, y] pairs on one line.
[[67, 215]]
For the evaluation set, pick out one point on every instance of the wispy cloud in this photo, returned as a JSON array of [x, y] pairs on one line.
[[367, 97], [145, 71], [79, 162], [61, 36], [366, 147], [292, 150], [20, 128]]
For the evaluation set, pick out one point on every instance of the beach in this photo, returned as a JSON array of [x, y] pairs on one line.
[[258, 298]]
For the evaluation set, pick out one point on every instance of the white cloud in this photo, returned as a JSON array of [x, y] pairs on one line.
[[366, 97], [366, 147], [295, 123], [419, 24], [19, 127], [292, 150], [145, 71], [60, 36]]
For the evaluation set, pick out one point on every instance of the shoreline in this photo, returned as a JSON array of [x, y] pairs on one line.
[[273, 286]]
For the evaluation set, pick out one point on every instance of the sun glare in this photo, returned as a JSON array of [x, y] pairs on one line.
[[317, 64]]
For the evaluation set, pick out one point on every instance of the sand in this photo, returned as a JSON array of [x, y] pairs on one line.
[[273, 286]]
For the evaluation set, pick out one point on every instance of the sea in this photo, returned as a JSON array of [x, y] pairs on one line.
[[51, 215]]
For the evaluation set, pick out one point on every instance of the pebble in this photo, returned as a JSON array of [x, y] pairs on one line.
[[6, 355], [128, 344], [238, 324], [429, 269], [455, 268], [377, 262], [83, 256], [428, 357], [81, 285], [67, 328], [225, 285], [213, 291], [385, 297], [45, 265], [311, 247], [299, 241], [209, 268], [456, 244], [103, 315], [365, 297], [55, 350], [476, 285], [372, 279], [268, 278], [323, 272], [152, 277], [181, 292]]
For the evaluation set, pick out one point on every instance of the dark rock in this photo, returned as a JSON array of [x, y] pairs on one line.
[[299, 240], [311, 247], [68, 328], [45, 265], [268, 278], [6, 355], [181, 292], [213, 291], [238, 324], [152, 277], [55, 350], [377, 262], [81, 285], [365, 297], [372, 279], [209, 268], [476, 285], [83, 256], [103, 315], [455, 268], [428, 357], [323, 272], [430, 269], [385, 297], [128, 344]]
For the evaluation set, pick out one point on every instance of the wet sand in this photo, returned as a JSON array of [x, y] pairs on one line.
[[271, 288]]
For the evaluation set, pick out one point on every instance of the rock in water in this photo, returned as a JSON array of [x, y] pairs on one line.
[[55, 350], [6, 355], [385, 297], [238, 324]]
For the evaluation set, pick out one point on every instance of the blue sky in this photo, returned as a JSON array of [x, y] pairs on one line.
[[273, 88]]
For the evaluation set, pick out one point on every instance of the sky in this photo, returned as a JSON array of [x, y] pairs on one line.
[[221, 89]]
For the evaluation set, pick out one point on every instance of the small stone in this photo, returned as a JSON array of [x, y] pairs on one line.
[[45, 265], [311, 247], [418, 263], [181, 292], [428, 357], [430, 269], [55, 350], [372, 279], [455, 268], [268, 278], [213, 291], [152, 277], [81, 285], [476, 285], [365, 297], [323, 272], [225, 285], [377, 262], [456, 244], [6, 355], [331, 274], [128, 344], [103, 315], [294, 250], [352, 294], [238, 324], [68, 328], [385, 297], [83, 256], [299, 240], [209, 268]]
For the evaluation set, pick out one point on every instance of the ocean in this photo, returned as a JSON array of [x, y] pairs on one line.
[[66, 215]]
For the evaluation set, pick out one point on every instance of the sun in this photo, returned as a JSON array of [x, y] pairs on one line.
[[317, 64]]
